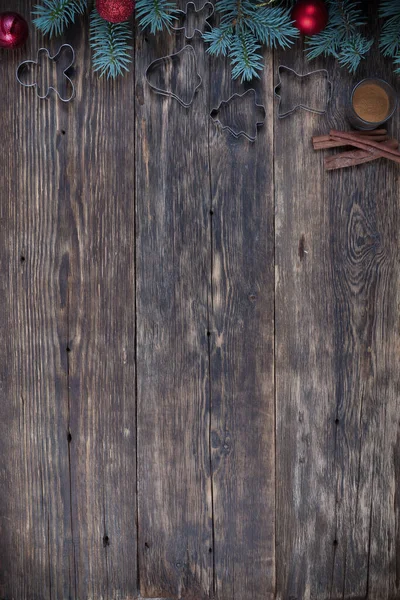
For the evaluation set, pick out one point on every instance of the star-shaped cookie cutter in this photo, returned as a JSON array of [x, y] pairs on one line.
[[55, 57], [303, 106], [185, 12]]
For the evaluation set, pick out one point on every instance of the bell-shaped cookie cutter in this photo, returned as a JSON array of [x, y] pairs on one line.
[[303, 106], [237, 134], [169, 93], [185, 12], [55, 57]]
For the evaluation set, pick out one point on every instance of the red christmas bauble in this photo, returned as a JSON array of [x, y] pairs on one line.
[[310, 16], [115, 11], [14, 30]]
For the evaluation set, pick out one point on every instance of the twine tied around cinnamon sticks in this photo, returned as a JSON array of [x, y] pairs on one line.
[[369, 145]]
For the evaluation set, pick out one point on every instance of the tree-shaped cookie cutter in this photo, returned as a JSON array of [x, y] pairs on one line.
[[302, 106], [185, 12], [236, 132], [170, 93], [27, 63]]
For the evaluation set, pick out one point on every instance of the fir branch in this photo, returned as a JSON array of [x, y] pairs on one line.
[[110, 45], [245, 26], [272, 26], [53, 16], [353, 51], [155, 14], [246, 60], [390, 37], [220, 40], [342, 38]]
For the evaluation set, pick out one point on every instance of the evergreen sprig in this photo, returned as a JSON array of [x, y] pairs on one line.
[[342, 37], [53, 16], [246, 25], [155, 14], [390, 37], [110, 43]]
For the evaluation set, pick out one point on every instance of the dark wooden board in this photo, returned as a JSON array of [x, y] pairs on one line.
[[100, 261], [36, 553], [173, 275], [137, 251], [242, 347], [337, 348]]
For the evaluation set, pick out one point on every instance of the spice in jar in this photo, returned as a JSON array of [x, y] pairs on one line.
[[371, 102]]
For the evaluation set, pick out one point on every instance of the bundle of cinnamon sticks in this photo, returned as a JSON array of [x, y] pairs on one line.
[[367, 146]]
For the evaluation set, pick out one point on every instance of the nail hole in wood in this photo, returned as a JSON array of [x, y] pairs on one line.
[[210, 550], [211, 212], [337, 421], [63, 131], [69, 437], [208, 333], [146, 545], [106, 541], [22, 259], [68, 349], [335, 542]]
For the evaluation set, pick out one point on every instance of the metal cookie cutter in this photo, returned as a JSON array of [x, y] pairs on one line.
[[27, 63], [192, 5], [170, 58], [303, 106], [240, 131]]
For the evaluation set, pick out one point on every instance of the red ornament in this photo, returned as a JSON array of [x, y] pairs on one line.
[[14, 30], [115, 11], [310, 16]]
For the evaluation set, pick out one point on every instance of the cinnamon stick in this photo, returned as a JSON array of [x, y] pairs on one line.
[[376, 132], [330, 143], [355, 157], [365, 144]]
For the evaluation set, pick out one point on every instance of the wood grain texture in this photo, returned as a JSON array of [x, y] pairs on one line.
[[100, 299], [305, 383], [336, 380], [242, 348], [173, 268], [365, 253], [36, 554], [137, 337]]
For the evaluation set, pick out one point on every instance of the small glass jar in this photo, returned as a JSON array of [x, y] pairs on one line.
[[358, 122]]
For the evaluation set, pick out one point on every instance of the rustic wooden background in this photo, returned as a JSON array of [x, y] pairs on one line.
[[199, 345]]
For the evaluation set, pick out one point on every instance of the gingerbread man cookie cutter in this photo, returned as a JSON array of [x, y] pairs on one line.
[[192, 6], [27, 64]]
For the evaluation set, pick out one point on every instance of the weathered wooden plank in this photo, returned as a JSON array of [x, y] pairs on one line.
[[242, 346], [173, 264], [365, 250], [336, 383], [36, 553], [100, 299], [305, 323]]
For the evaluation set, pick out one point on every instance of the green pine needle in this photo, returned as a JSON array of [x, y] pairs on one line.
[[53, 16], [390, 37], [110, 45], [342, 38], [246, 60], [245, 26], [155, 14]]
